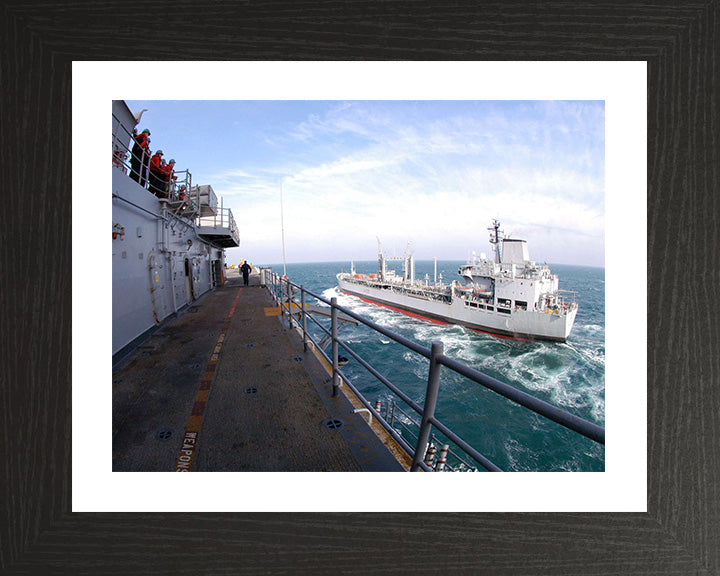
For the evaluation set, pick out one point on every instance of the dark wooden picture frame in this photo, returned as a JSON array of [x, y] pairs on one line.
[[680, 533]]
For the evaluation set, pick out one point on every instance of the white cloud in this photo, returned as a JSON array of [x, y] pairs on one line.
[[437, 183]]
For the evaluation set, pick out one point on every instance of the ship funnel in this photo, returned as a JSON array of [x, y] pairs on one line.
[[514, 251]]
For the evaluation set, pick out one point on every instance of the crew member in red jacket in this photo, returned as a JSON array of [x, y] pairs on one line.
[[157, 174], [168, 177], [140, 156]]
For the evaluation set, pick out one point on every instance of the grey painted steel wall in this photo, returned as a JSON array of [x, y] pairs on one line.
[[149, 276]]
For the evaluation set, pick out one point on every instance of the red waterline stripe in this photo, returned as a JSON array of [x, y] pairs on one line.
[[502, 335], [435, 321], [186, 457], [407, 312]]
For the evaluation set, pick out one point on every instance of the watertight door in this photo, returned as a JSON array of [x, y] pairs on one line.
[[189, 295]]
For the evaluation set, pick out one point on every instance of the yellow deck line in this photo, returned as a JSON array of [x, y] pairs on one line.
[[186, 456]]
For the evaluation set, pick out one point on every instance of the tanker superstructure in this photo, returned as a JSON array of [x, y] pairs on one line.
[[167, 249], [509, 295]]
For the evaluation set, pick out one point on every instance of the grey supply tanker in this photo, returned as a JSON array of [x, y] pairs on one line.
[[507, 296]]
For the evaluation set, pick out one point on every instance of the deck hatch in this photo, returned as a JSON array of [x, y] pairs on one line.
[[332, 423]]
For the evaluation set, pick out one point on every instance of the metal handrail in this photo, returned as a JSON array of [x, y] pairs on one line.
[[574, 423], [392, 408], [122, 144], [184, 198], [307, 336], [222, 219], [282, 291]]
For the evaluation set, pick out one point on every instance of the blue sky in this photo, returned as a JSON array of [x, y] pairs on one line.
[[430, 172]]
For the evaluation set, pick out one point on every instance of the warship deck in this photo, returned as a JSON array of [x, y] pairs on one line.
[[226, 386]]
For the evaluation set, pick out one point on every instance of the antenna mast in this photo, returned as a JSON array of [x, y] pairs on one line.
[[495, 236], [282, 229]]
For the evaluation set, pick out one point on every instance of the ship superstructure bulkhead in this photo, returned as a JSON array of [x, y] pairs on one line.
[[166, 251]]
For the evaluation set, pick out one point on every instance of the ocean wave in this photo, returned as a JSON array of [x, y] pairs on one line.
[[596, 356], [562, 381], [520, 457]]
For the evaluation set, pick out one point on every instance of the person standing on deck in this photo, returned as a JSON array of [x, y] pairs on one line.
[[245, 269], [140, 157], [157, 183]]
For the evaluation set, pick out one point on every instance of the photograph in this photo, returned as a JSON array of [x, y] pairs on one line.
[[358, 285]]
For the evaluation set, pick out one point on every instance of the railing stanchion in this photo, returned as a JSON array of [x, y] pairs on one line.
[[431, 396], [430, 455], [334, 332], [442, 459], [280, 295], [288, 294], [304, 317]]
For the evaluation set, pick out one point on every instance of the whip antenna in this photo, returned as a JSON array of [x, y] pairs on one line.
[[282, 229]]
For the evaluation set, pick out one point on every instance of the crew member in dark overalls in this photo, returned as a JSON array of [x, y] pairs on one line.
[[245, 269], [140, 157], [157, 174]]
